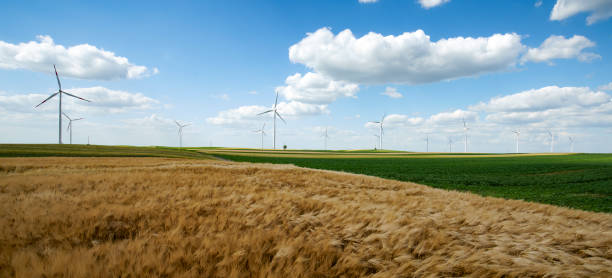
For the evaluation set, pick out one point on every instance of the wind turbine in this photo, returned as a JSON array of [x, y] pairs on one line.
[[571, 144], [262, 134], [450, 144], [552, 141], [70, 126], [275, 113], [180, 132], [381, 129], [465, 130], [325, 136], [60, 92], [427, 140], [518, 133]]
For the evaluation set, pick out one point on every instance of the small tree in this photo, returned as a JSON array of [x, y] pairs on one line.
[[284, 147]]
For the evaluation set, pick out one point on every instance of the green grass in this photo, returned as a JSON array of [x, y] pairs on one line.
[[39, 150], [581, 181]]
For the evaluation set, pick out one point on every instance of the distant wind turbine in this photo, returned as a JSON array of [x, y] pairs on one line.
[[180, 132], [571, 139], [325, 136], [70, 126], [427, 140], [552, 141], [517, 133], [380, 137], [262, 131], [450, 144], [465, 131], [275, 113], [60, 92]]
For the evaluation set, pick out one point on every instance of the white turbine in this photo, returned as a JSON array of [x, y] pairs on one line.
[[465, 131], [275, 113], [180, 132], [571, 144], [427, 140], [450, 144], [552, 141], [326, 137], [70, 126], [262, 131], [517, 133], [380, 137], [60, 92]]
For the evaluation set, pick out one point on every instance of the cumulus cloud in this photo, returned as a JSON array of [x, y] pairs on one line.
[[103, 100], [538, 3], [453, 117], [558, 47], [607, 87], [396, 121], [598, 9], [410, 58], [80, 61], [428, 4], [248, 115], [545, 98], [315, 88], [392, 93], [552, 105], [153, 120]]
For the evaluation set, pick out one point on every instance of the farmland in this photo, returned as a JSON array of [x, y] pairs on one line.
[[160, 217], [582, 181]]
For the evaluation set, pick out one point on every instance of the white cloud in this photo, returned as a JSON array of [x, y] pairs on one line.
[[538, 3], [247, 115], [558, 47], [452, 117], [153, 120], [551, 106], [546, 98], [607, 87], [315, 88], [428, 4], [103, 100], [224, 97], [598, 9], [410, 58], [392, 93], [80, 61], [368, 1]]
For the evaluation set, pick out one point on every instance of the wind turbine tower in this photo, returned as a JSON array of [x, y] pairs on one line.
[[427, 140], [275, 113], [517, 133], [450, 144], [380, 137], [70, 126], [552, 141], [571, 139], [180, 133], [325, 136], [60, 92], [465, 131], [262, 134]]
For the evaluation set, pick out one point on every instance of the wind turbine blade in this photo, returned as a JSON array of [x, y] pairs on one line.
[[265, 112], [186, 125], [276, 101], [46, 99], [69, 125], [78, 119], [75, 96], [374, 122], [263, 127], [66, 116], [57, 76], [177, 123], [280, 117]]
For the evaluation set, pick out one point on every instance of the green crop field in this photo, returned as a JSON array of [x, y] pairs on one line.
[[582, 181]]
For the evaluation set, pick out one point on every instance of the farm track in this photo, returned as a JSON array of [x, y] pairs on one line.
[[107, 217]]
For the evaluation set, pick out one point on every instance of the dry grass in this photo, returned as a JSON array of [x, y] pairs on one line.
[[110, 217]]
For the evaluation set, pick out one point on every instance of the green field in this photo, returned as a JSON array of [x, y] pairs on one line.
[[38, 150], [582, 181]]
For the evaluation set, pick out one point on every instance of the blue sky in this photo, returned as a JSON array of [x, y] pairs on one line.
[[216, 63]]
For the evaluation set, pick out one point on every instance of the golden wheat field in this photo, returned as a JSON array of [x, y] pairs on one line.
[[156, 217]]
